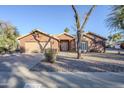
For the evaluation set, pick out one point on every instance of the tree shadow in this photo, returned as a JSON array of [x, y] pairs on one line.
[[118, 57], [85, 80], [79, 80], [20, 59], [43, 67], [8, 79], [10, 75], [89, 66], [68, 64]]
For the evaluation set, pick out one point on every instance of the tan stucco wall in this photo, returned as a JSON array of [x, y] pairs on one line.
[[92, 45]]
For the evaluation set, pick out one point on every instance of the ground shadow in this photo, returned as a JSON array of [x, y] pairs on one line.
[[107, 56], [9, 73], [89, 66], [68, 64]]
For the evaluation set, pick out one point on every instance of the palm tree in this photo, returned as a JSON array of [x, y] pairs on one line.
[[115, 20], [80, 28], [116, 37]]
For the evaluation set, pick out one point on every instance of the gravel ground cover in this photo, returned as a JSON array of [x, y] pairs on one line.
[[92, 62]]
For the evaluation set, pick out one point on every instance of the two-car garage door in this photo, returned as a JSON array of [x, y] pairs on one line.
[[32, 47]]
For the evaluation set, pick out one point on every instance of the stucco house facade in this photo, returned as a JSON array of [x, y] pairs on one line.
[[92, 42], [38, 41]]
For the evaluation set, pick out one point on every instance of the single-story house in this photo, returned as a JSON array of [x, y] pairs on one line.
[[37, 41]]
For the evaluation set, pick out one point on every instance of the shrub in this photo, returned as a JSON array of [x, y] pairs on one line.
[[122, 45], [50, 55], [2, 50], [35, 51], [8, 35]]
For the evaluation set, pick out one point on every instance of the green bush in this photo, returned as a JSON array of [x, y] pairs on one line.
[[35, 51], [50, 55], [8, 38]]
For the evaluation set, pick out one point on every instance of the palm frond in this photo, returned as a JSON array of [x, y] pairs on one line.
[[115, 20]]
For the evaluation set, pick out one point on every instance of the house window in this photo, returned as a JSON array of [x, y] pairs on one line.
[[84, 46]]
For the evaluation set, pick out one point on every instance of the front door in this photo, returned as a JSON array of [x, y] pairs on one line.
[[64, 45]]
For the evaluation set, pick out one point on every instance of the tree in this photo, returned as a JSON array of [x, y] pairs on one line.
[[116, 37], [80, 28], [8, 35], [66, 30], [115, 20]]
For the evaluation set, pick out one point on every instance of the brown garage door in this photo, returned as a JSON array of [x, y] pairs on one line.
[[35, 47]]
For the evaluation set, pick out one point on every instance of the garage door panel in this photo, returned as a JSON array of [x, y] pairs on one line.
[[35, 47], [45, 44]]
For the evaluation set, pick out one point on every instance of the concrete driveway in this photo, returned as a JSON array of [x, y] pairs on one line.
[[9, 62]]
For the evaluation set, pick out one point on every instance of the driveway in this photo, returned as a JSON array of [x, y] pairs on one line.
[[10, 62], [11, 66]]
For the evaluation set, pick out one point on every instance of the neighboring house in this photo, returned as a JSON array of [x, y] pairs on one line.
[[38, 41]]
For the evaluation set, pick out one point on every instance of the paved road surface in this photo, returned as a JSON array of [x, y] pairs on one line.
[[25, 78]]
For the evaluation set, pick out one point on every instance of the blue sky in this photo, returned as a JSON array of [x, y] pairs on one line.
[[53, 19]]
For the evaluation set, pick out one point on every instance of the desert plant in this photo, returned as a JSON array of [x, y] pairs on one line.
[[35, 51], [50, 55]]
